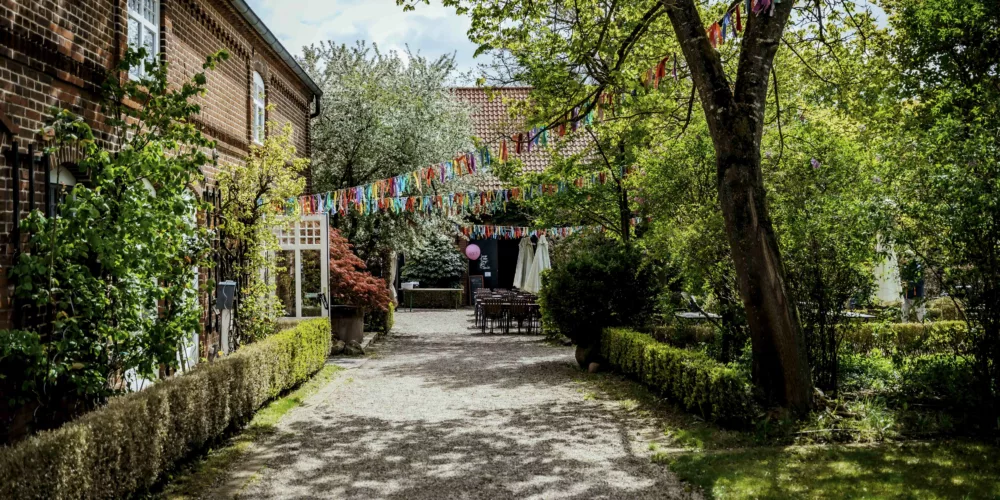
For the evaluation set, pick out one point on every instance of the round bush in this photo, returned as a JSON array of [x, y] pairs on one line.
[[596, 283], [438, 264]]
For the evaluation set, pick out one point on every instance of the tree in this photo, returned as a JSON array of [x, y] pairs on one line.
[[350, 283], [111, 274], [381, 116], [254, 205], [947, 167], [437, 264], [584, 47]]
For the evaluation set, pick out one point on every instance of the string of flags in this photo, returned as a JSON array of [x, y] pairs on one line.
[[394, 187], [486, 232], [397, 194], [456, 203], [731, 23]]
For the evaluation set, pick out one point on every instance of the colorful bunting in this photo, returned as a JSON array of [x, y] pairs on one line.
[[488, 232]]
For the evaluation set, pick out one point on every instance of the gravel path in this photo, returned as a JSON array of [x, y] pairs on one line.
[[443, 412]]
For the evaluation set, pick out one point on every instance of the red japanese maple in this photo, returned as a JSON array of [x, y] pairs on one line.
[[350, 283]]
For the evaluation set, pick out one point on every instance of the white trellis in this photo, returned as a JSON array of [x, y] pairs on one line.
[[305, 251]]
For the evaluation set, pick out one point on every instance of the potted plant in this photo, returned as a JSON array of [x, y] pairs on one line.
[[352, 291]]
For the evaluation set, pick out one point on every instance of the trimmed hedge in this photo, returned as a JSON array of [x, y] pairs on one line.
[[432, 298], [908, 338], [684, 335], [699, 383], [126, 446]]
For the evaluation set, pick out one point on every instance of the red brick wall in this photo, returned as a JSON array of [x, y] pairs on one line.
[[55, 53]]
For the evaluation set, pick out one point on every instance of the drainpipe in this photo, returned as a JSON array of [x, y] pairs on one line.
[[315, 113]]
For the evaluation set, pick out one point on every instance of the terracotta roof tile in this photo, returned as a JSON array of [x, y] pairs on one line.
[[491, 122]]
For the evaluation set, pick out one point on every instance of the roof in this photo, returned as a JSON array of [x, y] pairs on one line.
[[247, 13], [491, 121]]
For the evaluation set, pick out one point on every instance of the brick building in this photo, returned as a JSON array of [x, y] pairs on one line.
[[493, 121], [56, 53]]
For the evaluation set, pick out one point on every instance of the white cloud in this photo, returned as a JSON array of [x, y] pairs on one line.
[[433, 30]]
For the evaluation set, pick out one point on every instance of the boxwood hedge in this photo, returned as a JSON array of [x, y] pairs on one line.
[[126, 446], [907, 338], [690, 378]]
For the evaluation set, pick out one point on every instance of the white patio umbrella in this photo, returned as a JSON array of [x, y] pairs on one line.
[[525, 255], [533, 282]]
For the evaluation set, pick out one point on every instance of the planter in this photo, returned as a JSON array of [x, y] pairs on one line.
[[347, 323]]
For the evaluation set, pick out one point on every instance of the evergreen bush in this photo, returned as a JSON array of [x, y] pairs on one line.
[[438, 264], [597, 283], [905, 338]]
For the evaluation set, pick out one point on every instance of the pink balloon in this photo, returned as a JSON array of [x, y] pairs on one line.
[[472, 251]]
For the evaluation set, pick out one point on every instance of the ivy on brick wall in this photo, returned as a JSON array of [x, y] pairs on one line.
[[253, 206], [111, 275]]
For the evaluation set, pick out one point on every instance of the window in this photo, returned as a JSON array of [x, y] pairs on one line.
[[61, 182], [144, 29], [257, 98]]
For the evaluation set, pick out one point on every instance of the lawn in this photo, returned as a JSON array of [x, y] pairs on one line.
[[918, 470], [731, 464]]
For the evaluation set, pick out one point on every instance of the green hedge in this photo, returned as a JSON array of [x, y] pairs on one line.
[[907, 338], [432, 298], [690, 378], [126, 446], [684, 335]]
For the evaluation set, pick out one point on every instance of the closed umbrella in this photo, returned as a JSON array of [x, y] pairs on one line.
[[525, 255], [533, 283]]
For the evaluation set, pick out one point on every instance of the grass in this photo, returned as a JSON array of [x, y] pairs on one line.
[[762, 463], [913, 470], [196, 479]]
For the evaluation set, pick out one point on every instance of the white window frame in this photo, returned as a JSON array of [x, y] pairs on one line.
[[143, 23], [258, 102], [302, 235]]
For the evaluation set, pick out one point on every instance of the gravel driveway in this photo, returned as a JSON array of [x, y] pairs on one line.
[[441, 411]]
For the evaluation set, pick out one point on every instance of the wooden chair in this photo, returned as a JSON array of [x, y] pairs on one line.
[[520, 312], [493, 314]]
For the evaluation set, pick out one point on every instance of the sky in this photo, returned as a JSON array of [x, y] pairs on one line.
[[432, 30]]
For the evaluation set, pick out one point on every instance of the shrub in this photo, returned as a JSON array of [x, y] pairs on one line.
[[598, 283], [350, 283], [438, 264], [941, 379], [380, 321], [684, 335], [126, 446], [906, 338], [690, 378], [942, 308]]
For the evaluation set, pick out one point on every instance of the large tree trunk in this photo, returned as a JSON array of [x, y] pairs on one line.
[[780, 363], [735, 116]]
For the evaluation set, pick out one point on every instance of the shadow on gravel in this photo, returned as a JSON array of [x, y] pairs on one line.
[[376, 458], [461, 362]]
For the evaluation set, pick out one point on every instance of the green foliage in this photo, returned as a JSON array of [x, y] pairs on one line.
[[946, 166], [692, 379], [125, 447], [114, 269], [827, 206], [597, 282], [905, 338], [254, 198], [381, 321], [941, 378], [436, 264]]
